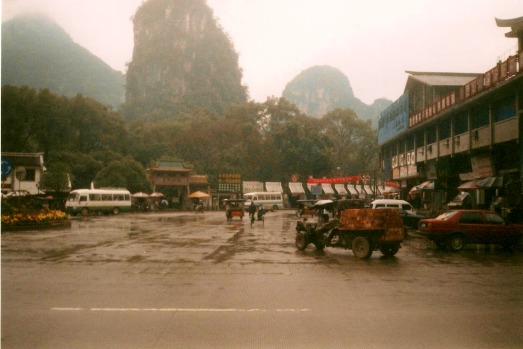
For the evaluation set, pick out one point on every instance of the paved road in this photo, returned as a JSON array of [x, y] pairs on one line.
[[175, 280]]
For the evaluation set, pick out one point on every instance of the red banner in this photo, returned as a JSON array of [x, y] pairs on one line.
[[334, 180]]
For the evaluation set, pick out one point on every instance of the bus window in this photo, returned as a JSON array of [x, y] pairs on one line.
[[107, 197], [83, 198]]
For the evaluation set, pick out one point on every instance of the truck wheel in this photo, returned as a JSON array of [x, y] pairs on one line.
[[389, 250], [361, 247], [319, 245], [301, 241], [456, 242]]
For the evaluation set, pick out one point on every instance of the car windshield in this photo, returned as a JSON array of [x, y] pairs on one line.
[[446, 215]]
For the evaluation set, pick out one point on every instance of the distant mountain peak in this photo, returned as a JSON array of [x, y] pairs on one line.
[[322, 88]]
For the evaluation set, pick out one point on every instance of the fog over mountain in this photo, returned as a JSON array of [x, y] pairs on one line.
[[38, 53]]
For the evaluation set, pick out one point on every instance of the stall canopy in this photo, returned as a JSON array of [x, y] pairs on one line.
[[485, 183], [368, 189], [490, 182], [428, 185], [273, 186], [296, 188], [470, 185], [340, 188], [327, 188]]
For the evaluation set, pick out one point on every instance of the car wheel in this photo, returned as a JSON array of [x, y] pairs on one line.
[[361, 247], [456, 242], [301, 241]]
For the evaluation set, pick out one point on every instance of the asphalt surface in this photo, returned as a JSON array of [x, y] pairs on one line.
[[185, 280]]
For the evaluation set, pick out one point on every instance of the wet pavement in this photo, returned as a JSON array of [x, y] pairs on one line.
[[169, 280]]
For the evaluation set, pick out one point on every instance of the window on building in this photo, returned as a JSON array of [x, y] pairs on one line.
[[30, 175], [479, 116], [420, 139], [410, 142], [431, 135], [504, 109], [461, 123], [444, 129]]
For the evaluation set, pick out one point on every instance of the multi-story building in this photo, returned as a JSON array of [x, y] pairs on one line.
[[453, 132]]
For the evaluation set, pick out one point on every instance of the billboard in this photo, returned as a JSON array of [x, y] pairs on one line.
[[394, 120]]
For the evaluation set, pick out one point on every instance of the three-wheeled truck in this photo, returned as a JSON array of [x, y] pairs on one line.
[[234, 208], [363, 230]]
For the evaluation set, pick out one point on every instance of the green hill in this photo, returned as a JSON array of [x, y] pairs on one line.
[[38, 53], [321, 89]]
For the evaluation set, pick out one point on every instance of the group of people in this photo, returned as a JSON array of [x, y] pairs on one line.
[[252, 211]]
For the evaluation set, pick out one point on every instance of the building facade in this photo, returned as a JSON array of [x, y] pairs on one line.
[[21, 172], [456, 132], [177, 180]]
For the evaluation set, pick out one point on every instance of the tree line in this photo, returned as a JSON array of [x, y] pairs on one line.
[[85, 141]]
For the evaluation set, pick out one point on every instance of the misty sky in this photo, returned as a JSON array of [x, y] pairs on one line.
[[373, 42]]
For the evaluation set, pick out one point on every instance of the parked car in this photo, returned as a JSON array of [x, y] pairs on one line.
[[455, 229]]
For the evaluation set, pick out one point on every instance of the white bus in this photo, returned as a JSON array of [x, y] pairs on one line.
[[87, 201], [269, 200]]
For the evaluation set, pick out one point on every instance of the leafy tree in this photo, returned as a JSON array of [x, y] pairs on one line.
[[18, 119], [125, 173], [56, 178], [353, 141]]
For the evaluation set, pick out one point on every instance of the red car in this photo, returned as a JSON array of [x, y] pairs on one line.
[[455, 229]]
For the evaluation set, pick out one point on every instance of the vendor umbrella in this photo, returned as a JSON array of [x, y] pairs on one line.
[[198, 195], [157, 195], [140, 195]]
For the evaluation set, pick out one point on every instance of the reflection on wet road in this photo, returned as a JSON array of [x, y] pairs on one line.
[[165, 280]]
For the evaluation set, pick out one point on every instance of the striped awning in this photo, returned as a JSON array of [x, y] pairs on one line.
[[273, 186], [296, 188], [352, 189], [340, 188], [327, 188]]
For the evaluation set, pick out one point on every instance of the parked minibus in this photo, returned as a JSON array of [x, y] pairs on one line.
[[269, 200], [108, 200]]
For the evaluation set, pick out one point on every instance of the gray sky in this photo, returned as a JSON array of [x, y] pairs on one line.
[[372, 42]]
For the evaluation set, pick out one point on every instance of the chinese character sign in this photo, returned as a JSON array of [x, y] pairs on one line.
[[230, 182]]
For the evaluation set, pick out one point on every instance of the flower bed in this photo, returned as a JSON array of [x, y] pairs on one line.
[[27, 220]]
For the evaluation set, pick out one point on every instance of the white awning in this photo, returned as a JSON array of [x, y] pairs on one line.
[[340, 188], [352, 189], [296, 188], [273, 186], [368, 189], [327, 188]]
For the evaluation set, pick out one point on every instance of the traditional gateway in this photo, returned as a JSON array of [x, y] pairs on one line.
[[86, 201]]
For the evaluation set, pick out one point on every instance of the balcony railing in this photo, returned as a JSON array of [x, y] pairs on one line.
[[502, 71]]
